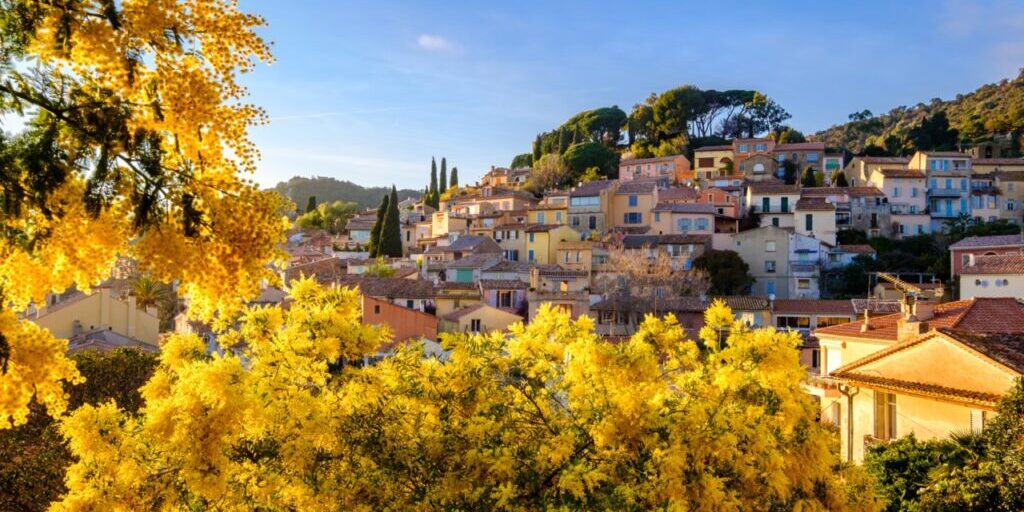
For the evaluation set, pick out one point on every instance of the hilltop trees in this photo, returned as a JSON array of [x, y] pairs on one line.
[[548, 416], [581, 157], [328, 216], [523, 161], [134, 144]]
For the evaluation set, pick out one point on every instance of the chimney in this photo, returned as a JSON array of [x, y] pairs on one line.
[[970, 260], [867, 321], [771, 302]]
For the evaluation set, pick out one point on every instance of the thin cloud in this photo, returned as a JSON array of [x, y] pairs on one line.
[[434, 43]]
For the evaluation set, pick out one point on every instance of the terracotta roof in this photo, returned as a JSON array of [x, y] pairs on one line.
[[989, 241], [474, 243], [996, 264], [725, 147], [773, 188], [800, 146], [864, 191], [591, 188], [679, 239], [975, 315], [391, 287], [637, 187], [917, 388], [644, 305], [902, 173], [686, 208], [745, 303], [949, 154], [999, 161], [1004, 348], [875, 305], [503, 284], [856, 248], [884, 159], [510, 266], [677, 194], [814, 204], [539, 228], [813, 307]]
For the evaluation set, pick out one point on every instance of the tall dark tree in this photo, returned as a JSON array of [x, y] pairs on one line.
[[454, 180], [374, 243], [808, 179], [538, 151], [730, 275], [311, 204], [934, 134], [789, 171], [442, 182], [390, 243], [840, 179], [523, 161], [433, 176]]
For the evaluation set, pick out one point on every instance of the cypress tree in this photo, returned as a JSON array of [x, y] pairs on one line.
[[374, 243], [442, 183], [433, 176], [455, 178], [537, 153], [391, 233], [311, 204], [841, 180]]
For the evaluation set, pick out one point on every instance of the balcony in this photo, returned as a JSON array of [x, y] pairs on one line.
[[945, 192]]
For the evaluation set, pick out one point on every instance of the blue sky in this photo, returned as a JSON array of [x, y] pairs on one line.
[[369, 91]]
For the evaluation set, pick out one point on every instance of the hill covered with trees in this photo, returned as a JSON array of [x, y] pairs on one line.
[[991, 111], [328, 190]]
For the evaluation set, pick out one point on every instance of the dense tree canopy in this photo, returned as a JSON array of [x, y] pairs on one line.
[[328, 216], [135, 146], [550, 416], [729, 274], [581, 157], [523, 161]]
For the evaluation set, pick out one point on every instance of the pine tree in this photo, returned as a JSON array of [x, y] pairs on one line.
[[442, 184], [311, 204], [375, 231], [390, 243], [841, 180], [433, 176], [455, 178]]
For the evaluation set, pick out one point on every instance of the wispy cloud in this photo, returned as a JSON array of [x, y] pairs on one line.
[[434, 43]]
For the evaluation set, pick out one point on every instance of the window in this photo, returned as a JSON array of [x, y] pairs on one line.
[[410, 303], [775, 221], [632, 218], [657, 216], [785, 205], [793, 322], [744, 148], [575, 222], [758, 168], [803, 284], [885, 415], [529, 255], [913, 191], [540, 217], [1011, 205], [766, 205], [769, 288], [376, 309], [769, 266], [913, 207], [963, 184], [1009, 187], [949, 183], [963, 205], [769, 246], [828, 321], [585, 201], [593, 222], [920, 229], [408, 234], [781, 157], [901, 230], [683, 225], [632, 201], [895, 191], [935, 183], [563, 286], [702, 224], [531, 238], [474, 325], [812, 157], [558, 217], [504, 299], [809, 222], [760, 147], [816, 358]]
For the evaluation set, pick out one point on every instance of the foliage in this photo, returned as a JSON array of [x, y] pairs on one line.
[[581, 157], [730, 275], [373, 244], [332, 190], [967, 472], [390, 242], [379, 268], [964, 225], [310, 204], [650, 273], [786, 135], [442, 182], [808, 179], [33, 456], [549, 173], [332, 217], [523, 161], [549, 416], [151, 293], [790, 171], [840, 180], [453, 181], [993, 109], [934, 134], [434, 189], [591, 174]]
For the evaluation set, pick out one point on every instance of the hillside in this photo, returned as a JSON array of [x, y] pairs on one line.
[[328, 190], [993, 109]]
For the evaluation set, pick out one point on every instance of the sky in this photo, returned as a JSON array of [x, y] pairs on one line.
[[369, 91]]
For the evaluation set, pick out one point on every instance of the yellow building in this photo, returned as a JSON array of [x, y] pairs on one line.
[[683, 219], [774, 202], [512, 239], [453, 296], [633, 202], [858, 172], [990, 165], [930, 370], [543, 241], [712, 161], [478, 318], [548, 214], [100, 319], [444, 223], [582, 255], [816, 217]]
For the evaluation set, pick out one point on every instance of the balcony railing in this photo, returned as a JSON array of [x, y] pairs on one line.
[[945, 192]]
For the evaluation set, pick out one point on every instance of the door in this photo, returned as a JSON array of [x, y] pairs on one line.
[[949, 207]]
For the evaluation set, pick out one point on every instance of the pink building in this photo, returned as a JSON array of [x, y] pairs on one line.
[[676, 168], [960, 252]]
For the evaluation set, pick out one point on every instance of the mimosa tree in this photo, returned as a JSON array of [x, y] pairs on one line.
[[134, 145], [551, 416]]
